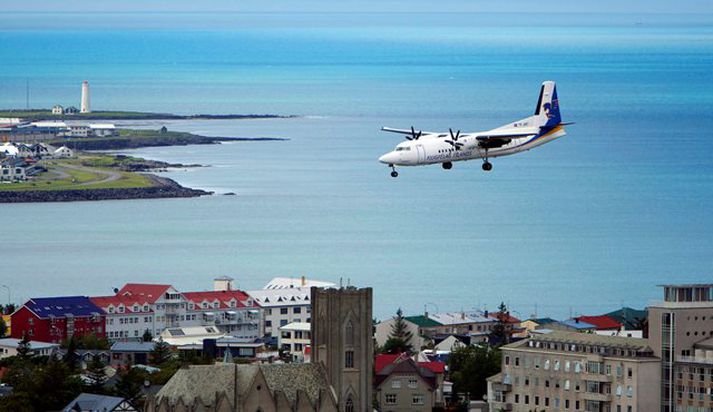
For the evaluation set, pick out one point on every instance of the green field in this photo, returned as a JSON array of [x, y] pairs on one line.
[[46, 114], [74, 174]]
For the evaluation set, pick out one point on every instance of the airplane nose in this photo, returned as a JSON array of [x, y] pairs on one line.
[[388, 158]]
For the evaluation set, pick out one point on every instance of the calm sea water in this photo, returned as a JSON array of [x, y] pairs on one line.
[[582, 225]]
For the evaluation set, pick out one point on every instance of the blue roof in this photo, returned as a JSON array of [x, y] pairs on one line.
[[572, 323], [132, 346], [92, 402], [61, 306]]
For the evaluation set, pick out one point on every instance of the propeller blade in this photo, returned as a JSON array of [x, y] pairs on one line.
[[457, 135], [451, 132]]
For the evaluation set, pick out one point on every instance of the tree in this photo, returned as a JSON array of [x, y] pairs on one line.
[[3, 327], [160, 354], [502, 330], [129, 384], [70, 358], [469, 368], [400, 338], [97, 375], [148, 337], [24, 349]]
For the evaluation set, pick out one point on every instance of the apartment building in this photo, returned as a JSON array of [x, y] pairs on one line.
[[680, 332], [572, 371]]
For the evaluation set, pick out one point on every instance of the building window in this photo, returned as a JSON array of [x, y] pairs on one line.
[[412, 383], [629, 391], [417, 399], [296, 309], [349, 405], [283, 311], [390, 398], [396, 384], [349, 359]]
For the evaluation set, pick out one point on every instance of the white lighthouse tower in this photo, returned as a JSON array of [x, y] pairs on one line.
[[85, 98]]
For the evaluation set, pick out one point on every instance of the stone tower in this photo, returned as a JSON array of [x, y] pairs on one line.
[[85, 107], [342, 341]]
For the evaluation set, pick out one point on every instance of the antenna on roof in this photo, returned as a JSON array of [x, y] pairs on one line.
[[341, 282]]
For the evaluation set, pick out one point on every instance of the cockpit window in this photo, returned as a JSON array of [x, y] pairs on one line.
[[403, 148]]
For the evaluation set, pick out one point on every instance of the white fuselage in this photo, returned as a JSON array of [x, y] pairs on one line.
[[434, 148]]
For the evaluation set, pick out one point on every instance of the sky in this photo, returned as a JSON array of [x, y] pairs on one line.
[[528, 6]]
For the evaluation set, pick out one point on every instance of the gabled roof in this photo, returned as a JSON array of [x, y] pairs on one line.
[[128, 302], [578, 325], [148, 291], [406, 365], [223, 297], [422, 321], [630, 318], [541, 321], [132, 347], [60, 306], [600, 322], [92, 402], [383, 360], [509, 318]]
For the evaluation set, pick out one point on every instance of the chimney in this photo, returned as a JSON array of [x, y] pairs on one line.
[[304, 281], [486, 313]]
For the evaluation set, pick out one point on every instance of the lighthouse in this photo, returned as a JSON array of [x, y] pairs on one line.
[[85, 98]]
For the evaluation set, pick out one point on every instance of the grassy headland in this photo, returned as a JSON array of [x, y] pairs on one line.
[[46, 114]]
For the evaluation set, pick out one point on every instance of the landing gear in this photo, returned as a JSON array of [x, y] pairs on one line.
[[487, 166], [447, 165], [394, 173]]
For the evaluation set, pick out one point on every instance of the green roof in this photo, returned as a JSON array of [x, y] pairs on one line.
[[422, 321], [629, 317], [542, 321]]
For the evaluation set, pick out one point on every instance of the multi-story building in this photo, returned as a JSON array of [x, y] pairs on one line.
[[232, 311], [137, 308], [54, 319], [295, 339], [578, 372], [680, 328], [282, 306]]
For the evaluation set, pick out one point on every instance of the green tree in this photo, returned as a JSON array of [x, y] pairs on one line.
[[502, 330], [70, 358], [97, 375], [24, 349], [160, 354], [3, 327], [400, 338], [129, 384], [148, 337], [469, 368], [45, 386]]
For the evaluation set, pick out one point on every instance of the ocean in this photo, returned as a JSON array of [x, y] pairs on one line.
[[583, 225]]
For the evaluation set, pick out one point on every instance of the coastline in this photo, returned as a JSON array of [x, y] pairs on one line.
[[162, 188]]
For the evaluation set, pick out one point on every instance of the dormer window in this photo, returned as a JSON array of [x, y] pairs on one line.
[[146, 308], [216, 304], [120, 309], [110, 309], [191, 306], [135, 308], [205, 305]]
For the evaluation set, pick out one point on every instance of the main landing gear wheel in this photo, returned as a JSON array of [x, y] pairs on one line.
[[447, 165], [487, 166]]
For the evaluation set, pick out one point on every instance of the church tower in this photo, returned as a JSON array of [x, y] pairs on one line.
[[342, 341]]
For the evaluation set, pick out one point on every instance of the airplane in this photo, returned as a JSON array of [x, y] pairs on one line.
[[426, 148]]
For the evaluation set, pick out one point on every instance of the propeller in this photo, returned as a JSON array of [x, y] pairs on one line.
[[454, 140], [414, 135]]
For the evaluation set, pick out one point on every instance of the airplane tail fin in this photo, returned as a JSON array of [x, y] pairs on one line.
[[548, 108]]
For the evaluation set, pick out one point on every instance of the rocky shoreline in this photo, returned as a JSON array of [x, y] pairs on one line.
[[163, 188]]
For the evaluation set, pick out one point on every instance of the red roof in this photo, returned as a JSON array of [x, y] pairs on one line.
[[223, 296], [601, 322], [435, 367], [510, 318], [386, 359], [147, 291], [128, 302]]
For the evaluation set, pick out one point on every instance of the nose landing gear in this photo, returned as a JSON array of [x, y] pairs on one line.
[[394, 173]]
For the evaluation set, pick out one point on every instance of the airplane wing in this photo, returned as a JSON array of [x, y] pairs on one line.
[[500, 137], [404, 131]]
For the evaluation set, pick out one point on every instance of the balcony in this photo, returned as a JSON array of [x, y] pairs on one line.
[[694, 359], [596, 377], [599, 397], [503, 387]]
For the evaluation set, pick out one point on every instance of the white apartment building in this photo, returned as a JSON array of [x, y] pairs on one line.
[[295, 339]]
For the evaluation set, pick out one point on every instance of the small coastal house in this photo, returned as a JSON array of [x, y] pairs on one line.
[[89, 402], [57, 109], [402, 384], [8, 347], [103, 130], [13, 170], [40, 150], [63, 152], [71, 110], [130, 353]]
